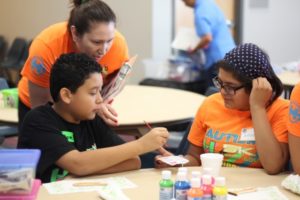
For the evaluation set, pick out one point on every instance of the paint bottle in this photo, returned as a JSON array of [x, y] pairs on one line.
[[196, 174], [195, 192], [208, 171], [181, 186], [166, 186], [220, 190], [207, 187], [183, 169]]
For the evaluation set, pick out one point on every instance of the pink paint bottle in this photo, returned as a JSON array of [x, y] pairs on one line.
[[208, 171], [207, 187]]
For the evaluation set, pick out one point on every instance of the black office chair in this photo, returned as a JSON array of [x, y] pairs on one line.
[[6, 130], [14, 53], [194, 86], [3, 84], [12, 59], [3, 46], [25, 55], [211, 90], [177, 142]]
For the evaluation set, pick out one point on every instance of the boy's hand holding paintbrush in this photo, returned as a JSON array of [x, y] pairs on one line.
[[155, 139]]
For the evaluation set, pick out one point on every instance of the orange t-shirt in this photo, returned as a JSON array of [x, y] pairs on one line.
[[230, 132], [294, 112], [49, 45]]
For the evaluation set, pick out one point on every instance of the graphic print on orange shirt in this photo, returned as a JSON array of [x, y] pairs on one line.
[[37, 65], [294, 112], [236, 152]]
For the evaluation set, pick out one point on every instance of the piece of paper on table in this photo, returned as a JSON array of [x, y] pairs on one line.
[[112, 192], [266, 193], [174, 160], [67, 186], [185, 39]]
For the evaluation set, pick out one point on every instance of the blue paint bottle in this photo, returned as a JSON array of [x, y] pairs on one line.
[[181, 186]]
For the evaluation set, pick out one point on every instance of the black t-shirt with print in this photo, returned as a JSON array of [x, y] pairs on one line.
[[44, 129]]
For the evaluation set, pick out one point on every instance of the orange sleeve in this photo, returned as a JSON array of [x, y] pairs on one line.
[[294, 112], [198, 129], [278, 121], [38, 64]]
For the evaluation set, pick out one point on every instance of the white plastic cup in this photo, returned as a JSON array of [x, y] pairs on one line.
[[213, 161]]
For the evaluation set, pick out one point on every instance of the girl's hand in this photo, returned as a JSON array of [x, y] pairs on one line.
[[261, 93]]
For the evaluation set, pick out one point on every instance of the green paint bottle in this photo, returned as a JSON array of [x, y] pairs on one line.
[[166, 186]]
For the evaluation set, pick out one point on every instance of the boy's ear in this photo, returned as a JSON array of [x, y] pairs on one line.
[[65, 95]]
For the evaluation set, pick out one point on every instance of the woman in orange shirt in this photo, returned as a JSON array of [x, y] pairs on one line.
[[246, 120], [90, 30]]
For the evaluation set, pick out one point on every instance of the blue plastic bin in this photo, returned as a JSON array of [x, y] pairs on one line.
[[17, 169], [18, 158]]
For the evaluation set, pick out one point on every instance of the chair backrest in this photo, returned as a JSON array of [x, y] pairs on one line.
[[16, 50], [3, 46], [184, 144], [3, 84], [211, 90], [25, 54]]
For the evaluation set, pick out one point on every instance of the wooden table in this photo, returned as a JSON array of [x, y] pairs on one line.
[[147, 181], [156, 105], [289, 80], [9, 115]]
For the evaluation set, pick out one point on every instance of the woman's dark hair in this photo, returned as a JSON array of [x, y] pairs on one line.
[[70, 71], [85, 12], [245, 80]]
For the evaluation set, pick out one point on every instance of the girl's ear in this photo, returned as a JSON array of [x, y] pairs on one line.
[[65, 95]]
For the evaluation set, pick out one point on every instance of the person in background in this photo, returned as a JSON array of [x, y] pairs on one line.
[[71, 137], [246, 120], [294, 128], [216, 39], [91, 30]]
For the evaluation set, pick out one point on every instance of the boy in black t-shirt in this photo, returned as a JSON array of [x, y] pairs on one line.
[[71, 137]]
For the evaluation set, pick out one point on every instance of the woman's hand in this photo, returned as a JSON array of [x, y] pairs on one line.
[[108, 113]]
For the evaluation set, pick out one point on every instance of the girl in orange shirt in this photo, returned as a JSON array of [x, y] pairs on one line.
[[246, 120]]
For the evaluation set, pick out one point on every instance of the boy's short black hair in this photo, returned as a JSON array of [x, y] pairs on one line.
[[70, 71]]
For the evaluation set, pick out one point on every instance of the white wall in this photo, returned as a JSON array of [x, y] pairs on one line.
[[147, 28], [275, 26], [161, 29], [19, 18], [134, 21]]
